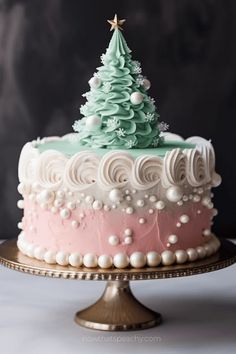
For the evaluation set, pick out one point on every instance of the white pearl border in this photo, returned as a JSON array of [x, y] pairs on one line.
[[120, 260]]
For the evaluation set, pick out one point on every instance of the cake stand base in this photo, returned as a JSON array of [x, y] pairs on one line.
[[117, 310]]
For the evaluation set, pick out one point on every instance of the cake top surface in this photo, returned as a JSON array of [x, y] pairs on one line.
[[118, 112]]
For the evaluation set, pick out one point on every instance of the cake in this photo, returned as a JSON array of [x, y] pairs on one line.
[[119, 191]]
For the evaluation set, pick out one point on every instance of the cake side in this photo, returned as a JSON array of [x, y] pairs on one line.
[[120, 208]]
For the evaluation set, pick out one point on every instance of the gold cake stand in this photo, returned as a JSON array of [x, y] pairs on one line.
[[117, 309]]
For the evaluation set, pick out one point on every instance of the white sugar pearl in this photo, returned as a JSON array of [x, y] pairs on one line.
[[200, 190], [74, 224], [71, 205], [181, 256], [174, 194], [196, 198], [90, 260], [178, 224], [206, 201], [214, 212], [201, 252], [62, 258], [128, 232], [121, 260], [60, 194], [45, 197], [128, 240], [184, 219], [95, 82], [115, 195], [160, 205], [89, 199], [105, 261], [199, 212], [75, 259], [50, 257], [151, 211], [30, 250], [146, 84], [153, 198], [93, 123], [173, 239], [216, 179], [107, 207], [136, 98], [129, 198], [192, 254], [180, 202], [58, 203], [140, 203], [167, 257], [54, 210], [137, 259], [20, 204], [65, 213], [206, 232], [153, 259], [142, 221], [39, 253], [20, 225], [208, 249], [129, 210], [113, 240], [97, 205]]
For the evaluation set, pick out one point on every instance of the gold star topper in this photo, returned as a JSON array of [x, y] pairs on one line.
[[116, 23]]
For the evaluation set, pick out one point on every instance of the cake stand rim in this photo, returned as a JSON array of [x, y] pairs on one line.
[[9, 255]]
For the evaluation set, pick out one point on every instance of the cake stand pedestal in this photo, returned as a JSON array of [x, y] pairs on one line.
[[117, 309]]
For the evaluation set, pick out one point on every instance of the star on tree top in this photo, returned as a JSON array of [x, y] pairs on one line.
[[116, 23]]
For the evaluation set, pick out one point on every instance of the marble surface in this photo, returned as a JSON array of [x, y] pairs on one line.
[[198, 315]]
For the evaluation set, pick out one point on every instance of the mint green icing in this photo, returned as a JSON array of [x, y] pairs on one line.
[[69, 149], [123, 124]]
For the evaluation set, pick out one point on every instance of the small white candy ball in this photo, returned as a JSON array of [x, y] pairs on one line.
[[136, 98], [62, 258], [39, 253], [184, 219], [128, 232], [142, 221], [167, 257], [58, 203], [146, 84], [90, 260], [71, 205], [192, 254], [128, 240], [206, 232], [105, 261], [160, 205], [113, 240], [201, 252], [216, 179], [97, 205], [60, 194], [89, 199], [95, 82], [20, 204], [174, 194], [129, 210], [74, 224], [153, 259], [45, 197], [93, 123], [173, 239], [196, 198], [75, 259], [65, 213], [140, 203], [30, 250], [121, 260], [137, 259], [115, 195], [181, 256], [50, 257], [153, 198], [209, 250]]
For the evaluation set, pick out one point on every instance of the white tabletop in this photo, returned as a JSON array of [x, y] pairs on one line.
[[199, 315]]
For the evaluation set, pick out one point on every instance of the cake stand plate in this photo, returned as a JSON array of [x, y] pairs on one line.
[[117, 309]]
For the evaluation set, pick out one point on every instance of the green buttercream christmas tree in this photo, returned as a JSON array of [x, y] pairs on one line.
[[118, 113]]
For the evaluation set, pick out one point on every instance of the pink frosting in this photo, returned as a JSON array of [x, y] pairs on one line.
[[49, 230]]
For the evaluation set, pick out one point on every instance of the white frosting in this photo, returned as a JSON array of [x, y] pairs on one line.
[[114, 170], [50, 168], [174, 168], [27, 162], [146, 172], [81, 170], [196, 168]]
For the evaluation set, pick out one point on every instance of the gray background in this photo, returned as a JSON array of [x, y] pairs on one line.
[[50, 48]]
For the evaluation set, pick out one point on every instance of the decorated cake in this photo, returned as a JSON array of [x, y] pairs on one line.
[[119, 191]]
